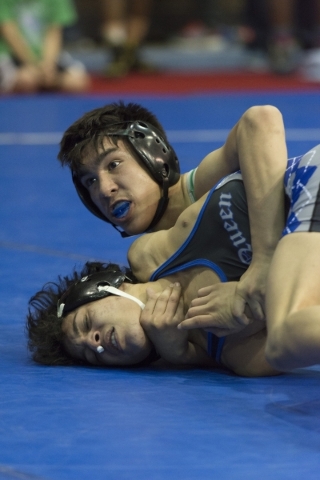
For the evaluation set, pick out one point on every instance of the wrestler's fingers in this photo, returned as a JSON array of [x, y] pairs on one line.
[[199, 302], [200, 321], [167, 301], [205, 324], [155, 304], [204, 291], [151, 301], [174, 305], [238, 309], [257, 310], [148, 312]]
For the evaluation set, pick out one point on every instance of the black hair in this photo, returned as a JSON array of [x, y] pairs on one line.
[[94, 125]]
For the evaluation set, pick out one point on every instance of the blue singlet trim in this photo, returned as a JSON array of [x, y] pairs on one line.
[[219, 349], [215, 346], [156, 274], [199, 262]]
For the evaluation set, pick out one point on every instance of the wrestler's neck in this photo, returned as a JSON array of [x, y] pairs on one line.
[[191, 280], [139, 290], [179, 200]]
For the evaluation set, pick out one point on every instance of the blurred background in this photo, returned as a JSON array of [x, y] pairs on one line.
[[198, 65], [85, 45], [116, 37]]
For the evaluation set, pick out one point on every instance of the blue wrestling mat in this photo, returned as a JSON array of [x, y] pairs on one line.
[[83, 423]]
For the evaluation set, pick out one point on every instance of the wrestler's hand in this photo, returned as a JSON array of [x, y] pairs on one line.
[[159, 319], [213, 310], [49, 74], [251, 290]]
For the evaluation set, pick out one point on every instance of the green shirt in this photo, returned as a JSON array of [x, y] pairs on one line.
[[33, 17]]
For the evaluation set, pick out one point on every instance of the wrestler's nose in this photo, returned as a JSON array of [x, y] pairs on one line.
[[107, 187], [94, 339]]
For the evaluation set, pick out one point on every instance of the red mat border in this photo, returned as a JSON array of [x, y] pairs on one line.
[[184, 83]]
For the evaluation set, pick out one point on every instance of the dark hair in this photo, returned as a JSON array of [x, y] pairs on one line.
[[93, 126], [45, 328]]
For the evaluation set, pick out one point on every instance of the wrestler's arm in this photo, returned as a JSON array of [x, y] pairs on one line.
[[257, 146], [159, 319], [243, 354], [51, 50], [18, 45]]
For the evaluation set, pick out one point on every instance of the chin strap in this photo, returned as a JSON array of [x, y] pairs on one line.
[[162, 205], [120, 293]]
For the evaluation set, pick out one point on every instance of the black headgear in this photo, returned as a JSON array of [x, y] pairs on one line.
[[87, 290], [158, 157]]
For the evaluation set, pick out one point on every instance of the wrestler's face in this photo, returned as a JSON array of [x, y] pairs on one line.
[[120, 186], [112, 323]]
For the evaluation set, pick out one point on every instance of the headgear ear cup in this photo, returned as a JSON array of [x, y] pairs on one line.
[[155, 152]]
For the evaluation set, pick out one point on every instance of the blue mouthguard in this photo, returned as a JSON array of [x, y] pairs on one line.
[[121, 209]]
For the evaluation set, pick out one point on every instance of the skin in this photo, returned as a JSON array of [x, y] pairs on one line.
[[134, 330], [292, 298], [92, 324], [35, 73], [134, 26], [95, 323], [167, 304], [256, 144], [111, 175], [293, 302]]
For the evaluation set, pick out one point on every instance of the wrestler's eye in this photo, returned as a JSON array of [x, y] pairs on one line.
[[86, 325], [89, 181], [113, 165]]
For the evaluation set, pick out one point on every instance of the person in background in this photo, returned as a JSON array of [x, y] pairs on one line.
[[124, 30], [31, 54], [288, 37]]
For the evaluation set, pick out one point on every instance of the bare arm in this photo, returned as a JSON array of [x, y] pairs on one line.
[[242, 354], [52, 45], [257, 146], [51, 50], [17, 43]]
